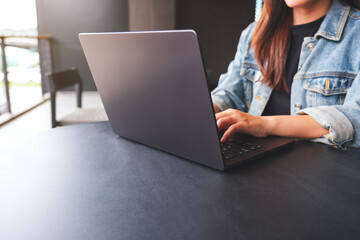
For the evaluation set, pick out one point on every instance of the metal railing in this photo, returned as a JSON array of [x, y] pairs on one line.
[[41, 43]]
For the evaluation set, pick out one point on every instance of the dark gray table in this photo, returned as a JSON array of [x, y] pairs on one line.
[[83, 182]]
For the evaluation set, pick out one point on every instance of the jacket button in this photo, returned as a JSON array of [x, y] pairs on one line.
[[298, 106], [310, 46]]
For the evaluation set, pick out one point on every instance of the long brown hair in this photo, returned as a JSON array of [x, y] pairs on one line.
[[271, 41]]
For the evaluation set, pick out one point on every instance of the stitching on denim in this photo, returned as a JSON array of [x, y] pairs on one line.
[[342, 99], [325, 35], [327, 74], [326, 93], [249, 93], [249, 77], [353, 12], [353, 16], [338, 145], [340, 27], [308, 99], [332, 142], [342, 21], [250, 65]]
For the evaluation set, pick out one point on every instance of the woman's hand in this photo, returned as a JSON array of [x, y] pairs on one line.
[[232, 121], [300, 126]]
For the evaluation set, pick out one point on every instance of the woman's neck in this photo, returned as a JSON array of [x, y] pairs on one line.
[[311, 12]]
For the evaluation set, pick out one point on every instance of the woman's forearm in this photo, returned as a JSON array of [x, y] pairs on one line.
[[303, 126]]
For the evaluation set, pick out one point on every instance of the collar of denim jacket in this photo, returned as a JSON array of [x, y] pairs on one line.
[[334, 23]]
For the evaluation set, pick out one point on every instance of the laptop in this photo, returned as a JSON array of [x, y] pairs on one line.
[[154, 90]]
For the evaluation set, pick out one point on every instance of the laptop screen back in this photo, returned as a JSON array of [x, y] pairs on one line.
[[154, 90]]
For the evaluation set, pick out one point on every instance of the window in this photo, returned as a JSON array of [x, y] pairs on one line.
[[258, 8]]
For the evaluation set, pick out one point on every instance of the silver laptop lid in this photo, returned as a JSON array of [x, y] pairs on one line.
[[153, 87]]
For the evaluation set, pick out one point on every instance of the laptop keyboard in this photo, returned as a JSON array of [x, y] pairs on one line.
[[232, 150]]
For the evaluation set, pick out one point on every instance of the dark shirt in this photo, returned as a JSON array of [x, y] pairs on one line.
[[279, 101]]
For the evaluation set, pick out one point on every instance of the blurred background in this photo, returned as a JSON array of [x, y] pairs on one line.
[[41, 36]]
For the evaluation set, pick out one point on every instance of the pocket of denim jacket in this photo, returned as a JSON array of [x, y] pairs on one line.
[[327, 90], [253, 76], [251, 72]]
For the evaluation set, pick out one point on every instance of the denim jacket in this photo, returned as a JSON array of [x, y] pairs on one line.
[[326, 86]]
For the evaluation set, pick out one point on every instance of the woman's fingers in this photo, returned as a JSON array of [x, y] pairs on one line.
[[226, 119], [232, 121], [229, 133], [224, 123], [227, 113]]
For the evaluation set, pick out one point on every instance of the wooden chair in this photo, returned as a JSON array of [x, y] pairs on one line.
[[64, 79]]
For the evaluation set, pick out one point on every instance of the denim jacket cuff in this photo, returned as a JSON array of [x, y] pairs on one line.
[[219, 101], [340, 128]]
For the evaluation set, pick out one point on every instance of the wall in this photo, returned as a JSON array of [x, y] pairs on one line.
[[65, 19], [218, 24], [151, 15]]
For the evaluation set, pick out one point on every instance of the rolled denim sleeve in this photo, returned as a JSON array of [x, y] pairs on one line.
[[343, 121], [230, 91]]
